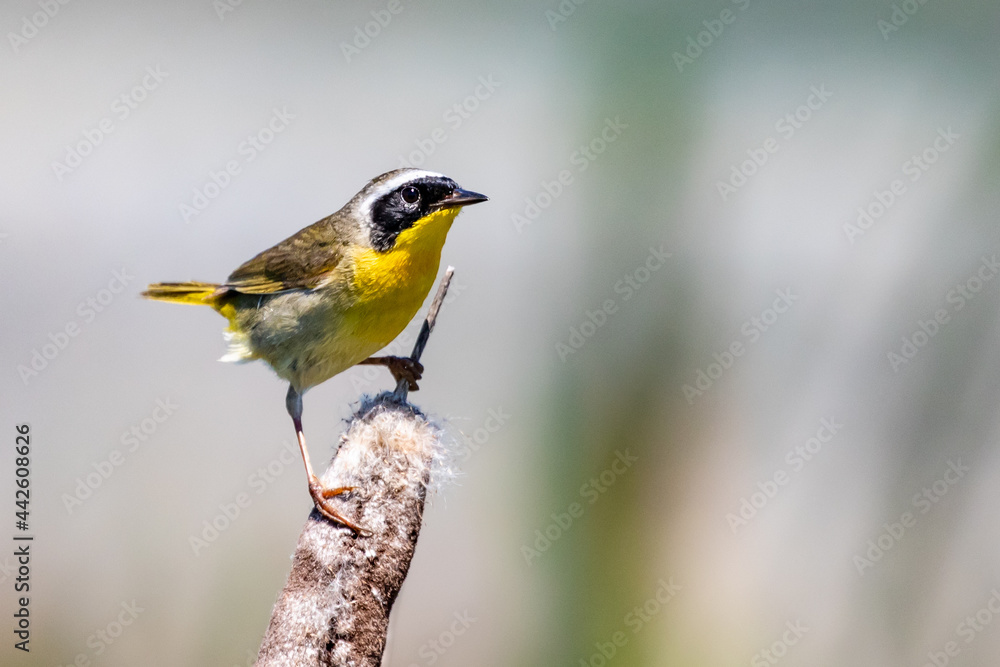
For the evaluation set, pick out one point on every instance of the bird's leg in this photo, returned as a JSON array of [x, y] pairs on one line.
[[402, 368], [319, 493]]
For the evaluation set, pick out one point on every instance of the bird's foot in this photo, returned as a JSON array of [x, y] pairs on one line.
[[402, 368], [321, 494]]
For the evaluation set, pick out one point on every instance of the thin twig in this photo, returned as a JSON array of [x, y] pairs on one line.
[[402, 387]]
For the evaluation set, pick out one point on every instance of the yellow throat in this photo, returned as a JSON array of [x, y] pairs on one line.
[[389, 287]]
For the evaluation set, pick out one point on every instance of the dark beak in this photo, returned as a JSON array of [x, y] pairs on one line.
[[460, 197]]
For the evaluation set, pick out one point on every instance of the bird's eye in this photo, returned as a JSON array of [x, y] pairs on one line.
[[410, 194]]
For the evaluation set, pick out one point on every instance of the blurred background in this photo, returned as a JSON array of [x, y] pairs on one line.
[[720, 361]]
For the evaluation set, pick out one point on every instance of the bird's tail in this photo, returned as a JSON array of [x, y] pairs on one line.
[[207, 294], [200, 294]]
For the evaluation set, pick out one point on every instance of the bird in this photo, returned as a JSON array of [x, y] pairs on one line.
[[336, 292]]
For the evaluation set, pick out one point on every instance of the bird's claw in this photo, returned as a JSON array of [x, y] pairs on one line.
[[320, 494], [405, 368]]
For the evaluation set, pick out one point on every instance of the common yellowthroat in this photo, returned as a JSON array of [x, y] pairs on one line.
[[331, 295]]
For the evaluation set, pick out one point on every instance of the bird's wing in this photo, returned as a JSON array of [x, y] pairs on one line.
[[301, 261]]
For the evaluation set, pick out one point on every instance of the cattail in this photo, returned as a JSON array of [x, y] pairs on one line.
[[334, 609]]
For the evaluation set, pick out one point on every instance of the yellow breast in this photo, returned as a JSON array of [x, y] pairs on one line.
[[389, 287]]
